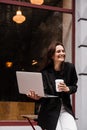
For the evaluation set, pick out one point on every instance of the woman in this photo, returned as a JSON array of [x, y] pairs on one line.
[[56, 112]]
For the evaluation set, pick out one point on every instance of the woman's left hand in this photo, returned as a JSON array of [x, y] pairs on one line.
[[63, 87], [33, 95]]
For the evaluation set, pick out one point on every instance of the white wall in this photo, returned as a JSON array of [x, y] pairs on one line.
[[81, 63]]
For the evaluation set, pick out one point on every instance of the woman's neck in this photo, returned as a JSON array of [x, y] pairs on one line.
[[57, 66]]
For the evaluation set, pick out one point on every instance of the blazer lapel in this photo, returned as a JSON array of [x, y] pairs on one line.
[[52, 80]]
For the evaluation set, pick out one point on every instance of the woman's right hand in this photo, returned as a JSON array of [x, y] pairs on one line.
[[33, 95]]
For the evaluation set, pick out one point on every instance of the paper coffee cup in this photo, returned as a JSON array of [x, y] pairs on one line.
[[57, 81]]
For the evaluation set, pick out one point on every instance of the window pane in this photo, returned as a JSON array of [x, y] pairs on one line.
[[22, 46]]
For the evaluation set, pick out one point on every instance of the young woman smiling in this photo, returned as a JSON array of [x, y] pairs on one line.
[[56, 112]]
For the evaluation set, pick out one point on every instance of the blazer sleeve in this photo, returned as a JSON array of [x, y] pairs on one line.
[[73, 80]]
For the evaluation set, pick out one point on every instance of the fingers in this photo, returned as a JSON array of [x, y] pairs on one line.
[[33, 95], [63, 87]]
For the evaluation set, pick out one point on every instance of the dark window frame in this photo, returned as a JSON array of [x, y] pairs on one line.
[[46, 7]]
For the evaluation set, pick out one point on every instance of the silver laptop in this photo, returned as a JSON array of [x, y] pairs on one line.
[[31, 81]]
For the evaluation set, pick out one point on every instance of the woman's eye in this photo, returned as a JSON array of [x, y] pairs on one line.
[[63, 51], [58, 51]]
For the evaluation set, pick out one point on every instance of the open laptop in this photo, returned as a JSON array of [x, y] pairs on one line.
[[31, 81]]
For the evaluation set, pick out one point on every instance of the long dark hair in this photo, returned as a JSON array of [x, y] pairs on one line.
[[50, 52]]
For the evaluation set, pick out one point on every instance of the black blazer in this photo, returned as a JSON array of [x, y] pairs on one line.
[[50, 107]]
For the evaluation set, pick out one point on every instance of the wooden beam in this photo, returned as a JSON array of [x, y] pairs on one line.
[[45, 7]]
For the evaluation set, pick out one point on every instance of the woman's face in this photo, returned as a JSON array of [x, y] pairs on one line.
[[59, 55]]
